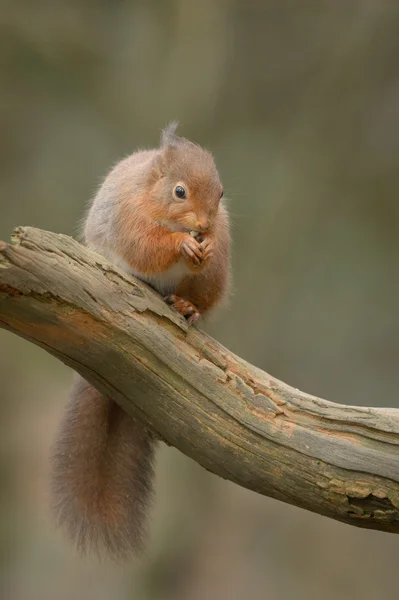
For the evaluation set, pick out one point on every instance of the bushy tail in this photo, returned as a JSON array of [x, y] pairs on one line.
[[102, 475]]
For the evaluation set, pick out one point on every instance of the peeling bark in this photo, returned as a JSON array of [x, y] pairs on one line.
[[231, 417]]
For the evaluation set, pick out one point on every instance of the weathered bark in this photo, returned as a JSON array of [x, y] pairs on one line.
[[232, 418]]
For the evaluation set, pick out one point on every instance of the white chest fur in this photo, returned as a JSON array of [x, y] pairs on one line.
[[165, 283]]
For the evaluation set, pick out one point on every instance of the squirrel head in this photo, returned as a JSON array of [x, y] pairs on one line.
[[185, 183]]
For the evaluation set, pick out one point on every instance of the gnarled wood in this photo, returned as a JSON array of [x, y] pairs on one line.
[[229, 416]]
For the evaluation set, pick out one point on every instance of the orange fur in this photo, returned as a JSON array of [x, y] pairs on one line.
[[210, 286], [102, 461]]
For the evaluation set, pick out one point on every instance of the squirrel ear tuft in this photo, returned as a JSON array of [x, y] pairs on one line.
[[170, 140], [169, 137]]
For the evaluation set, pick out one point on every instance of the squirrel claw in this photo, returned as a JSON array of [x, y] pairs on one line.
[[207, 247], [191, 251], [184, 307], [194, 318]]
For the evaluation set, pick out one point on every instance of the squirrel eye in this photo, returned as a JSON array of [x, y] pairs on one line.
[[221, 194], [180, 192]]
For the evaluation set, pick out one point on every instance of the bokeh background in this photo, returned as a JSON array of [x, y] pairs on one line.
[[299, 101]]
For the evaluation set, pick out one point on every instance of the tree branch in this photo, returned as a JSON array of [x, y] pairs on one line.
[[232, 418]]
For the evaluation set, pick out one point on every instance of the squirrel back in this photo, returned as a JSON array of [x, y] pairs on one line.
[[159, 215]]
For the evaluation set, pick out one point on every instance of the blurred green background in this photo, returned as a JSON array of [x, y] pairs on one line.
[[299, 101]]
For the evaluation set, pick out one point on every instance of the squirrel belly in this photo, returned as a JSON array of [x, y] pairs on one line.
[[165, 283]]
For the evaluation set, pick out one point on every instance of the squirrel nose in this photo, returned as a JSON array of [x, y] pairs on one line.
[[203, 224]]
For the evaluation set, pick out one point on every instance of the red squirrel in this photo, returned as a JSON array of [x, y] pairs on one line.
[[158, 215]]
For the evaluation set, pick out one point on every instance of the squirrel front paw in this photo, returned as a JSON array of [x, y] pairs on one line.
[[191, 251], [207, 246], [184, 307]]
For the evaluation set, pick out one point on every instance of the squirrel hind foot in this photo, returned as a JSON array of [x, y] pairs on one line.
[[184, 307]]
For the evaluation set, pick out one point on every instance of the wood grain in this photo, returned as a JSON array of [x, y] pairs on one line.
[[229, 416]]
